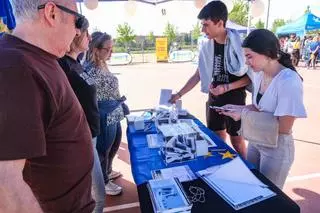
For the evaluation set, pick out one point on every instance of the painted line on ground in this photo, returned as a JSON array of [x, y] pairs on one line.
[[121, 207], [310, 142], [303, 177]]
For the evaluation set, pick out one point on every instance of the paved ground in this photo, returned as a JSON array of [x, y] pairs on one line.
[[141, 83]]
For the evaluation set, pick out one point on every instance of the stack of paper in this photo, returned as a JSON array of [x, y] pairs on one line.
[[236, 184], [165, 96]]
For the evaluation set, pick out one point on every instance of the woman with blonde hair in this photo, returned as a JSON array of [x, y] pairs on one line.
[[85, 90], [110, 106]]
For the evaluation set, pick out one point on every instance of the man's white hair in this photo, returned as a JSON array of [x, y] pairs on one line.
[[28, 9]]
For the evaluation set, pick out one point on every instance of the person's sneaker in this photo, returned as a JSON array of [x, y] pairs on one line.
[[112, 189], [114, 175]]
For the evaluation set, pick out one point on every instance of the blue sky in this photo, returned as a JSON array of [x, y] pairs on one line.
[[182, 14]]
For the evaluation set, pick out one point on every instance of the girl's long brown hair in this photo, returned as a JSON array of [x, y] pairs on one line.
[[97, 41]]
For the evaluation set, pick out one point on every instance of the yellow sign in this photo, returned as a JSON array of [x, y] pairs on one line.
[[162, 49]]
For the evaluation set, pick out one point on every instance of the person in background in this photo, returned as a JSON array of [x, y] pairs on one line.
[[314, 50], [46, 154], [282, 43], [286, 42], [289, 45], [278, 92], [307, 51], [222, 72], [109, 103], [296, 51], [85, 90]]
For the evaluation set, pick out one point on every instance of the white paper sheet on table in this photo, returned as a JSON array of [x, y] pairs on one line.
[[183, 173], [236, 184], [236, 171], [165, 96], [169, 130]]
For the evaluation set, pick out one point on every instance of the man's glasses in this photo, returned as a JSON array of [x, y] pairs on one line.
[[80, 22]]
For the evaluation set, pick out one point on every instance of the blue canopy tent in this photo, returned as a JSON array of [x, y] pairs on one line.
[[6, 15], [305, 23]]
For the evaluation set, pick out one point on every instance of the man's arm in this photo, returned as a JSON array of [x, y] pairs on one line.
[[223, 88], [16, 196], [191, 83]]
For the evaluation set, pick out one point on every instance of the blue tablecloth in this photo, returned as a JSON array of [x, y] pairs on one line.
[[144, 160]]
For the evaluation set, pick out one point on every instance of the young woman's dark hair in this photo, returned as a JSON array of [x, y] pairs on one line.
[[215, 11], [264, 42]]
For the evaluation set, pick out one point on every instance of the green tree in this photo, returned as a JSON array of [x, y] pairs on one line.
[[277, 23], [170, 32], [260, 24], [239, 12], [150, 37], [196, 32], [125, 34]]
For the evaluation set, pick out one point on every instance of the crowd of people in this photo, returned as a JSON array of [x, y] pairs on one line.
[[60, 113], [307, 49]]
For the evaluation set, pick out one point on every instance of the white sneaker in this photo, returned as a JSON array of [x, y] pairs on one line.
[[112, 188], [114, 175]]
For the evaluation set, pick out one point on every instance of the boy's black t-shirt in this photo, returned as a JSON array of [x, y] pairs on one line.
[[220, 75], [85, 90]]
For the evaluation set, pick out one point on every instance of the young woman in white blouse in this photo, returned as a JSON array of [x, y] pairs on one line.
[[277, 93]]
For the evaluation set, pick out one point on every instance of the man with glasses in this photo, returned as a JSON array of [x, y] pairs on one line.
[[222, 72], [46, 154]]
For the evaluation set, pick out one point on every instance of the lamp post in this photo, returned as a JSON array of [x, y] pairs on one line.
[[80, 8], [249, 16], [268, 11]]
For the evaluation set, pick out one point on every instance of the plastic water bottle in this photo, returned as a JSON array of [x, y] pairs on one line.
[[174, 114]]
